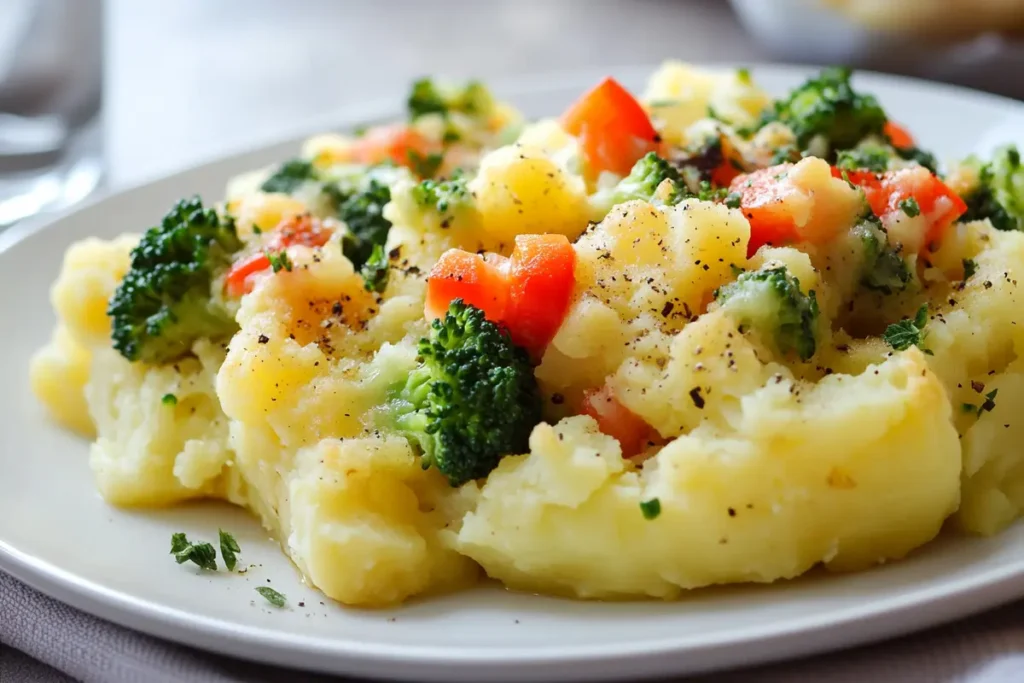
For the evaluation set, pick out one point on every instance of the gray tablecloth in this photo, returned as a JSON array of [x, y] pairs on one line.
[[45, 641]]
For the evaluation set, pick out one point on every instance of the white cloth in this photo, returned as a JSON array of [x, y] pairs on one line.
[[45, 641]]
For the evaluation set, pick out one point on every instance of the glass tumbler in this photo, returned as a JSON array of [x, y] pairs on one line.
[[51, 102]]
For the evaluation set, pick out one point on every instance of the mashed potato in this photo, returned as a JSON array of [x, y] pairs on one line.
[[831, 395]]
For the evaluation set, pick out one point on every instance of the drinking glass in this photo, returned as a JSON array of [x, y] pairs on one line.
[[51, 103]]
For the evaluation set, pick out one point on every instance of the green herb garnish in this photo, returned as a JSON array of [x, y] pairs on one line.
[[202, 554], [228, 548], [169, 400], [907, 333], [650, 508], [279, 260], [910, 207], [271, 595]]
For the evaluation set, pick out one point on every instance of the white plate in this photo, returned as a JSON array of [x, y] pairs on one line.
[[58, 535]]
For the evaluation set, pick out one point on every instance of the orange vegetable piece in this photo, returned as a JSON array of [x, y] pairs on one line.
[[302, 229], [529, 293], [761, 201], [886, 193], [463, 275], [899, 136], [239, 280], [617, 421], [613, 129], [392, 142], [541, 278]]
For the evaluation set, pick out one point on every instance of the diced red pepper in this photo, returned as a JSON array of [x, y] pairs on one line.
[[529, 294], [240, 278], [617, 421], [762, 200], [613, 129], [887, 193], [542, 279], [464, 275], [899, 136]]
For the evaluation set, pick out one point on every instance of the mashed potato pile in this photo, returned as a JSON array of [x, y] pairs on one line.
[[749, 338]]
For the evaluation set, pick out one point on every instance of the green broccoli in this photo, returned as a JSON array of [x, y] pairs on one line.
[[872, 156], [770, 301], [376, 270], [166, 302], [883, 270], [999, 196], [926, 159], [363, 213], [472, 400], [290, 176], [645, 177], [428, 97], [866, 157], [443, 196], [827, 106]]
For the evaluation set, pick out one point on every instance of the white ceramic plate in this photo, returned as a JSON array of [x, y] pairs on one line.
[[58, 535]]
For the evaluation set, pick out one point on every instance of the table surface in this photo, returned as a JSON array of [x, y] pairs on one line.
[[191, 79]]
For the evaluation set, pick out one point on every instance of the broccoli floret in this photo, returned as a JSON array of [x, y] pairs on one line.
[[443, 196], [472, 400], [165, 302], [872, 156], [827, 106], [427, 97], [770, 301], [290, 176], [376, 270], [864, 158], [363, 213], [999, 196], [645, 177], [883, 270]]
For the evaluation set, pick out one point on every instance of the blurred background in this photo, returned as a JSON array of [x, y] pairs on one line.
[[109, 92]]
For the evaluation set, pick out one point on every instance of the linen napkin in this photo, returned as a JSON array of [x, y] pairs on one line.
[[45, 641]]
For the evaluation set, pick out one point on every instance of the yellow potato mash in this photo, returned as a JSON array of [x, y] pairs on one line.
[[702, 336]]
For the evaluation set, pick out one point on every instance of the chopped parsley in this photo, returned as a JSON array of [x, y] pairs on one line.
[[910, 207], [970, 268], [279, 260], [733, 199], [228, 548], [986, 406], [907, 332], [169, 400], [201, 554], [650, 508], [743, 75], [272, 596]]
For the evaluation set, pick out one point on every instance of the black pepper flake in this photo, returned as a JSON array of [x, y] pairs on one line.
[[557, 399], [732, 512], [263, 339], [697, 399], [977, 386], [667, 309]]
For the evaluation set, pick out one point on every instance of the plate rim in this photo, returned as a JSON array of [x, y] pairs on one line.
[[876, 619]]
